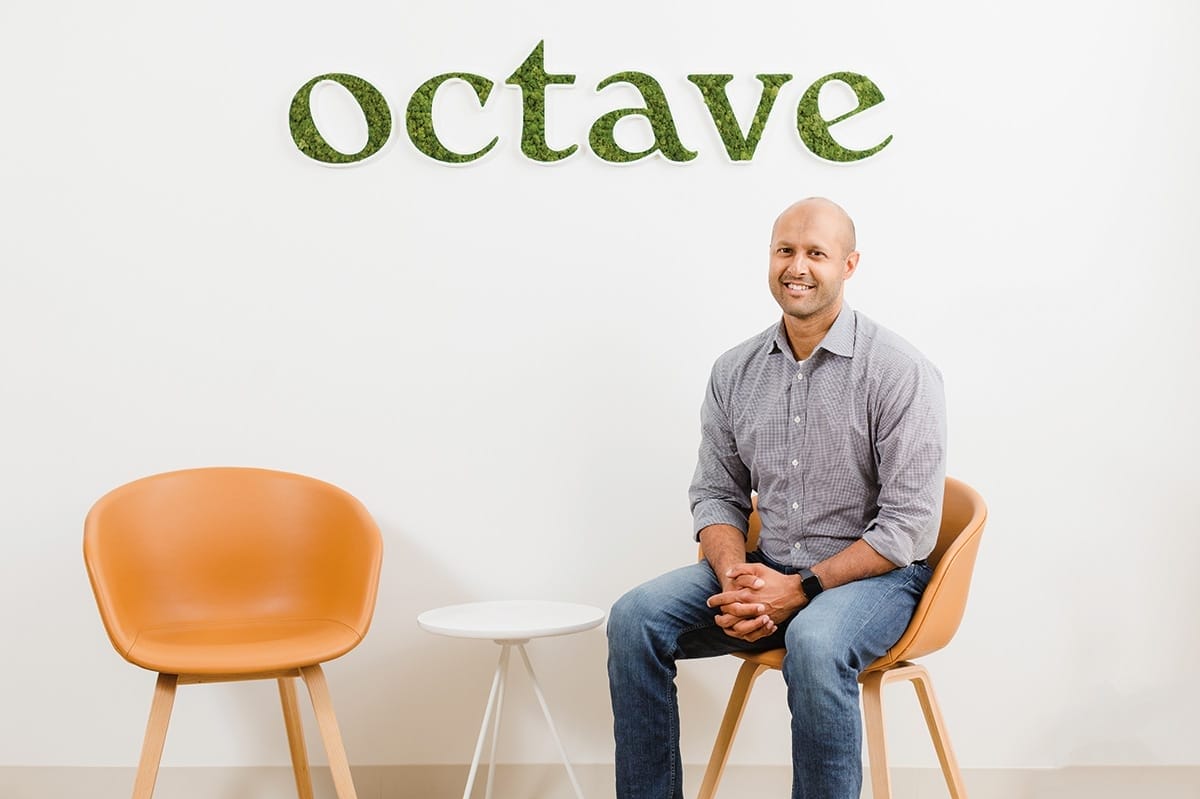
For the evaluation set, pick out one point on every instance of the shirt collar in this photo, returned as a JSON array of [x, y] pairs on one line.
[[839, 340]]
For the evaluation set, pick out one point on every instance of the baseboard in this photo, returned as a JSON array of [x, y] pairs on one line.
[[549, 781]]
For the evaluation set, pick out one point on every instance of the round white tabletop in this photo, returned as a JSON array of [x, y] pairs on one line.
[[511, 619]]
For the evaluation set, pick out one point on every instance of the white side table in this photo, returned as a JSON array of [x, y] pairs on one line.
[[511, 623]]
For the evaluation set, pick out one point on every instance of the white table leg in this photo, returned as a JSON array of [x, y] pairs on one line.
[[505, 650], [497, 691], [537, 690]]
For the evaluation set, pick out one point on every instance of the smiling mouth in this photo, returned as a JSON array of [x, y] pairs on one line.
[[798, 287]]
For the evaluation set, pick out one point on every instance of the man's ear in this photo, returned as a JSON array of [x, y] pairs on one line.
[[851, 264]]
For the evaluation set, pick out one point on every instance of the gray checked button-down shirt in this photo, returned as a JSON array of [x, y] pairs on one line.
[[849, 443]]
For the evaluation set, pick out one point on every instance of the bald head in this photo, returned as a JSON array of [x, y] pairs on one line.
[[826, 211], [812, 255]]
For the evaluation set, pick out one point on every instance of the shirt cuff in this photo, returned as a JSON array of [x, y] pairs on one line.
[[896, 547], [714, 511]]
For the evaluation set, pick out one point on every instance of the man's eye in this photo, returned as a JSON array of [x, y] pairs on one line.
[[784, 251], [816, 253]]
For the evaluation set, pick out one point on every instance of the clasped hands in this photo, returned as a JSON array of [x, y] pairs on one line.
[[756, 600]]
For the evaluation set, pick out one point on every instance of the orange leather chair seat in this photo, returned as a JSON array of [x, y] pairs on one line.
[[241, 647]]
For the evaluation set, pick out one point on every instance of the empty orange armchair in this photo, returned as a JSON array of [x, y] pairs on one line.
[[933, 624], [217, 574]]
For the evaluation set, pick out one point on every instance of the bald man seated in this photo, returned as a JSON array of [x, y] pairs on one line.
[[838, 425]]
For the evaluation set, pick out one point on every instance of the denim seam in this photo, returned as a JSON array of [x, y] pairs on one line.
[[674, 749], [692, 629], [673, 767]]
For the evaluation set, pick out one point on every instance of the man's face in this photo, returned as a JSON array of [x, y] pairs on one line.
[[810, 260]]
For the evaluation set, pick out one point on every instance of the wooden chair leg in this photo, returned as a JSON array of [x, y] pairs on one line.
[[738, 697], [156, 736], [881, 784], [872, 694], [295, 734], [937, 731], [318, 691]]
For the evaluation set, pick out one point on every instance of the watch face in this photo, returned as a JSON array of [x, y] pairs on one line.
[[810, 584]]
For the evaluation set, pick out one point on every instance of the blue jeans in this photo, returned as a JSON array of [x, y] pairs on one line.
[[828, 643]]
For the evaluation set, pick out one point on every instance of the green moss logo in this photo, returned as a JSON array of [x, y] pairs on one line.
[[532, 79]]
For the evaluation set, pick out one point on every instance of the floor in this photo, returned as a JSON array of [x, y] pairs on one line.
[[550, 782]]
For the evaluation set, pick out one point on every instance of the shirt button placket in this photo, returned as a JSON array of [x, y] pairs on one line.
[[796, 524], [802, 400]]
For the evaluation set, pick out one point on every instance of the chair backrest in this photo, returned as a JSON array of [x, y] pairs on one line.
[[941, 608], [230, 544], [936, 619]]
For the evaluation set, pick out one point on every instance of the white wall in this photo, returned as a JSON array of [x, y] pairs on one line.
[[505, 361]]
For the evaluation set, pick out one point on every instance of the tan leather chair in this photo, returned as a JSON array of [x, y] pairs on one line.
[[217, 574], [933, 625]]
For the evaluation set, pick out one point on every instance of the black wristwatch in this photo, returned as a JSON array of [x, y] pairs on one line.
[[810, 584]]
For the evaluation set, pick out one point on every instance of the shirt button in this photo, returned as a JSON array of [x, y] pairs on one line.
[[796, 420], [796, 545], [799, 376], [795, 505], [795, 463]]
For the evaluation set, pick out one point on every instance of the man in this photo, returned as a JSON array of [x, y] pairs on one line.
[[838, 425]]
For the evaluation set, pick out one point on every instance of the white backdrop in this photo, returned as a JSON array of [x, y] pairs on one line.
[[505, 360]]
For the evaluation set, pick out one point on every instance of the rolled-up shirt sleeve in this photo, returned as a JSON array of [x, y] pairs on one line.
[[720, 490], [910, 450]]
